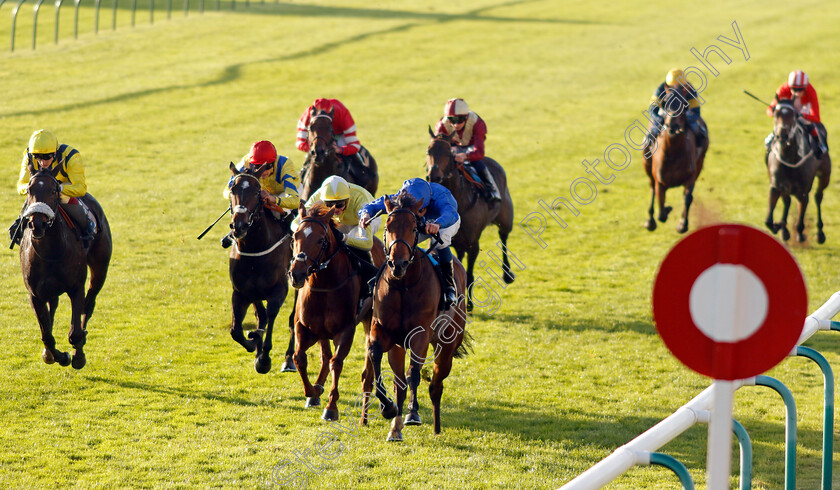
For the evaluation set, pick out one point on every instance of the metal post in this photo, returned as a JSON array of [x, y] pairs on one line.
[[57, 9], [828, 411], [14, 21], [675, 466], [746, 454], [96, 18], [790, 427], [133, 11], [35, 21]]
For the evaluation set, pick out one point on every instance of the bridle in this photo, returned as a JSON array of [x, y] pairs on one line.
[[411, 248], [252, 215], [451, 168], [317, 265], [315, 137], [40, 207]]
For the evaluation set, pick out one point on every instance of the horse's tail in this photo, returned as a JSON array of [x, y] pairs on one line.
[[466, 346]]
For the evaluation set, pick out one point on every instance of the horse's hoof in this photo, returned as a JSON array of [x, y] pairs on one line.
[[682, 228], [785, 234], [800, 237], [820, 237], [288, 366], [319, 390], [412, 418], [390, 411], [64, 359], [650, 224], [509, 277], [663, 215], [395, 437], [330, 415], [262, 364], [79, 360], [312, 401], [47, 357]]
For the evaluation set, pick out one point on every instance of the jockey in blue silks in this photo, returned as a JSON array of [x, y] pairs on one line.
[[441, 216]]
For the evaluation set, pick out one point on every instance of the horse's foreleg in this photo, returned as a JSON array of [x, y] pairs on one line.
[[262, 320], [682, 227], [818, 197], [367, 379], [343, 342], [76, 336], [651, 223], [388, 408], [509, 276], [303, 341], [800, 221], [419, 345], [239, 307], [472, 254], [289, 364], [262, 362], [45, 321], [442, 367], [396, 359], [771, 207], [782, 225], [664, 210]]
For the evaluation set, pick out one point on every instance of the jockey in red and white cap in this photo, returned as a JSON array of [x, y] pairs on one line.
[[342, 122], [468, 132], [799, 89]]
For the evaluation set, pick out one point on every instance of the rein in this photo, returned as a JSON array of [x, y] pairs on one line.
[[411, 248], [786, 163], [259, 254]]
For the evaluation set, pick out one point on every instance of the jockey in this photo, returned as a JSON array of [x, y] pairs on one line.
[[346, 144], [675, 82], [799, 89], [441, 213], [348, 199], [45, 152], [468, 132], [278, 183]]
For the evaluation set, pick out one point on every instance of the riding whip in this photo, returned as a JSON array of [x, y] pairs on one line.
[[756, 98], [214, 223]]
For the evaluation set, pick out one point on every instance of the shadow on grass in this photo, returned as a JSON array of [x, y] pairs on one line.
[[532, 320], [234, 72], [181, 392]]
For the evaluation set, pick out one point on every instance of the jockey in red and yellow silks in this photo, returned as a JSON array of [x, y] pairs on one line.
[[799, 89]]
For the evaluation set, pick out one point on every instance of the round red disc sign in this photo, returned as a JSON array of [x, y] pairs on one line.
[[729, 301]]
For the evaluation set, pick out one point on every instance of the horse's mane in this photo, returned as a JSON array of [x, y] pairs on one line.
[[403, 200], [319, 211]]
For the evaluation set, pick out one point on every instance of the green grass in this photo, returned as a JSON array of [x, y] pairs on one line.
[[565, 371]]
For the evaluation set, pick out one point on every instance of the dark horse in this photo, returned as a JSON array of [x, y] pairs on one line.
[[792, 166], [676, 161], [476, 213], [406, 315], [259, 260], [54, 262], [328, 295], [321, 162]]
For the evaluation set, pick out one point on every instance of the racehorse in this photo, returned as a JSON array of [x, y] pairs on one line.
[[54, 261], [322, 162], [792, 166], [406, 315], [676, 161], [329, 288], [476, 213], [259, 259]]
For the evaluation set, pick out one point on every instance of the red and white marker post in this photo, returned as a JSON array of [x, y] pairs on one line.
[[729, 301]]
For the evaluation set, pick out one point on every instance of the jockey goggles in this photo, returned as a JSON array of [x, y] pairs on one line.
[[456, 119], [340, 204], [43, 156]]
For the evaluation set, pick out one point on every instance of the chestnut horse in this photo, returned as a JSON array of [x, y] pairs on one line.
[[406, 315], [476, 213], [328, 289], [322, 162], [792, 166], [676, 161], [54, 262], [259, 259]]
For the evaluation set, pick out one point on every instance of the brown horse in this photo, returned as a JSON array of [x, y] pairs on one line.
[[676, 161], [323, 274], [322, 162], [258, 263], [792, 166], [406, 316], [54, 262], [476, 213]]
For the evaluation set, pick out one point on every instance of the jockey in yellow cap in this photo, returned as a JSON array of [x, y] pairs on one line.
[[44, 152], [675, 82]]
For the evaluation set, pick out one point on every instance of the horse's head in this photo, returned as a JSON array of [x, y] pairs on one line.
[[314, 243], [43, 197], [675, 107], [440, 164], [245, 198], [402, 228], [784, 121], [321, 137]]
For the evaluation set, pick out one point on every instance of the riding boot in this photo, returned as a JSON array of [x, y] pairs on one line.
[[491, 182], [16, 231], [449, 296], [87, 228], [227, 240]]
